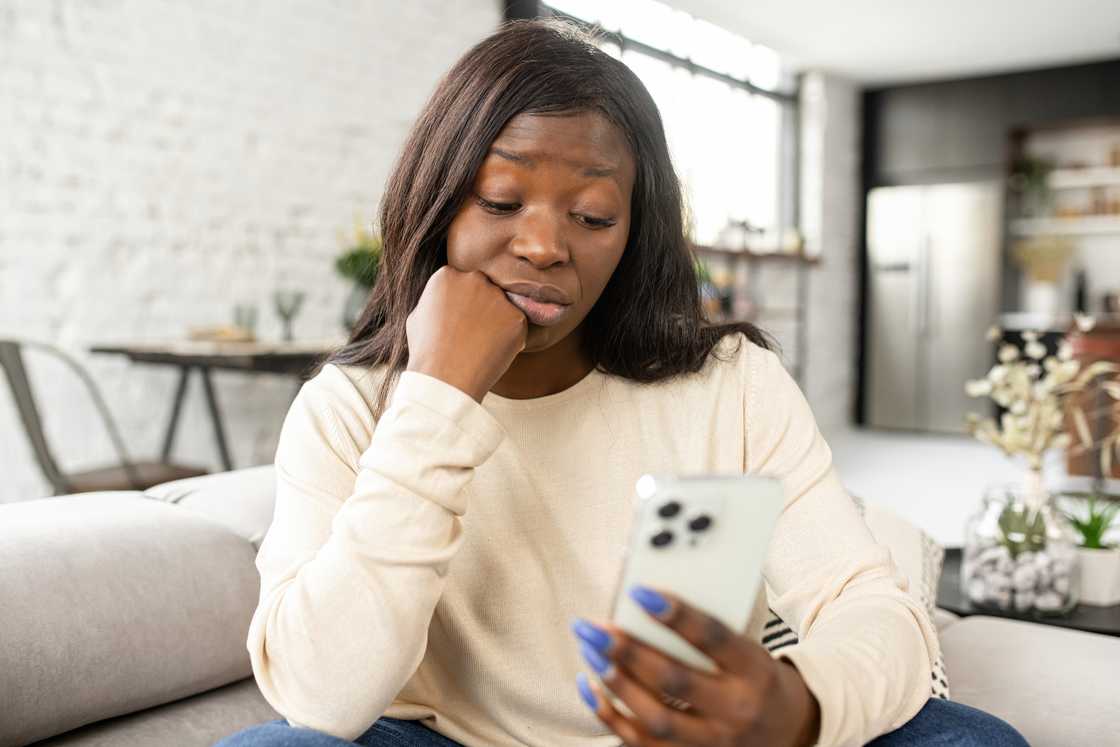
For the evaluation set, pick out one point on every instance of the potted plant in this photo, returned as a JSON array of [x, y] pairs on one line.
[[1030, 177], [1043, 260], [359, 264], [1100, 562], [1020, 551]]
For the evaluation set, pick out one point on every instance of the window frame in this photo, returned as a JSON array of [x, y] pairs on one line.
[[789, 142]]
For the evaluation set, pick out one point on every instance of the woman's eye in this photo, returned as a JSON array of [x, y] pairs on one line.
[[591, 222], [498, 207]]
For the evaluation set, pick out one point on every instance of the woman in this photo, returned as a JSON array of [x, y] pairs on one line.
[[455, 486]]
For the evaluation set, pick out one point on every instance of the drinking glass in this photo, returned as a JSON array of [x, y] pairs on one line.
[[288, 303]]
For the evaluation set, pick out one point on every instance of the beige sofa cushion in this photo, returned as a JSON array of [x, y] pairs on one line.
[[943, 619], [197, 721], [112, 603], [1059, 687], [242, 501]]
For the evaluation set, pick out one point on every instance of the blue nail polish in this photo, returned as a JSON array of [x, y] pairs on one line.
[[651, 601], [592, 634], [586, 692], [597, 661]]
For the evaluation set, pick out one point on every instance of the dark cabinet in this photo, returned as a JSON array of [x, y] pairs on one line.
[[939, 131]]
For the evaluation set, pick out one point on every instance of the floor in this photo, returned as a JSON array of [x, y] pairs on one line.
[[934, 481]]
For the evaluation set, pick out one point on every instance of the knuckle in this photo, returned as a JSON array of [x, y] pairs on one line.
[[768, 679], [623, 651], [675, 682], [660, 727], [715, 633], [724, 735], [744, 706]]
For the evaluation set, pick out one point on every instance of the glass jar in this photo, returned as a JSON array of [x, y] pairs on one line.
[[355, 305], [1020, 553]]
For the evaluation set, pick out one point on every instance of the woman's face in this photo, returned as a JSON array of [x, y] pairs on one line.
[[548, 218]]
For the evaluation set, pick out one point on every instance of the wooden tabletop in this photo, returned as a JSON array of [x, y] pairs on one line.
[[295, 358]]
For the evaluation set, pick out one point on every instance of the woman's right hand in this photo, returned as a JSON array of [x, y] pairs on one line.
[[464, 331]]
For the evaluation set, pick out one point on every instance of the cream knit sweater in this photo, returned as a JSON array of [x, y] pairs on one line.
[[427, 565]]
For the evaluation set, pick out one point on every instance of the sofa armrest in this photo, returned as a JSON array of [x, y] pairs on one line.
[[1055, 685], [112, 603], [242, 501], [943, 618]]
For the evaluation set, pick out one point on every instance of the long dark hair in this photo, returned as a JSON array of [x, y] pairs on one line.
[[648, 324]]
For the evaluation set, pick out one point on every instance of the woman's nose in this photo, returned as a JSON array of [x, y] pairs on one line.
[[540, 240]]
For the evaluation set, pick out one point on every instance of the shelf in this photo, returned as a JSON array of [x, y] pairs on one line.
[[1087, 225], [747, 254], [1098, 176]]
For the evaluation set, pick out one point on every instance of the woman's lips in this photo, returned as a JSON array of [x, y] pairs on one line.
[[541, 313]]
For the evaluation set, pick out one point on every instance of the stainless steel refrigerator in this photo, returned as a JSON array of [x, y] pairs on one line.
[[933, 290]]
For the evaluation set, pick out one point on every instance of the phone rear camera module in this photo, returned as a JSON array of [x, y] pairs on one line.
[[669, 510], [662, 538], [700, 523]]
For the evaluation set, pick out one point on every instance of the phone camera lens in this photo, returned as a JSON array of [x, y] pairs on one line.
[[662, 538], [669, 510], [700, 523]]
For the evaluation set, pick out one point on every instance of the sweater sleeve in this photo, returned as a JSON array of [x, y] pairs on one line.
[[866, 647], [356, 556]]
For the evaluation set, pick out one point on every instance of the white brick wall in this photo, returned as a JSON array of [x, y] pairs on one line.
[[830, 200], [162, 161]]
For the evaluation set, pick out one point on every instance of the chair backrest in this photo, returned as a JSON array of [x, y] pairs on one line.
[[11, 361]]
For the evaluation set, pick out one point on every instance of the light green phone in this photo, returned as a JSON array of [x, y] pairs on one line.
[[703, 539]]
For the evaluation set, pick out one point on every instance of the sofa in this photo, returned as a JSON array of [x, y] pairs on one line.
[[124, 617]]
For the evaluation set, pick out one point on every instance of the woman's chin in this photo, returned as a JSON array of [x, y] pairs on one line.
[[539, 338]]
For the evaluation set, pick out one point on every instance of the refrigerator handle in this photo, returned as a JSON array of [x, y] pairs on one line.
[[924, 282]]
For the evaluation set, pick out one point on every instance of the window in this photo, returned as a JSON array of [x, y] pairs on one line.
[[729, 109]]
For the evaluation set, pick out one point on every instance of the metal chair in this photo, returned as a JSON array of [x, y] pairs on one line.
[[127, 475]]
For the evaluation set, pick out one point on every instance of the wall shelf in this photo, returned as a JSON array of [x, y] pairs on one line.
[[753, 266], [1083, 226], [1097, 176], [747, 254]]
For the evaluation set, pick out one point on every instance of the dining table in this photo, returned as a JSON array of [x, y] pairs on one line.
[[297, 359]]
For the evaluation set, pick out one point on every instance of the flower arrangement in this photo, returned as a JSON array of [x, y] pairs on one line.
[[1037, 392], [1020, 551]]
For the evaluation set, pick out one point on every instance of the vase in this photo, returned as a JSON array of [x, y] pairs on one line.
[[355, 305], [1041, 297], [1100, 576], [1020, 553]]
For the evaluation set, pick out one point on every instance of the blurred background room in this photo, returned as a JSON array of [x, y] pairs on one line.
[[192, 171], [920, 201]]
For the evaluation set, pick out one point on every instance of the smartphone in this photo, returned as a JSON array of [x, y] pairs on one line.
[[703, 539]]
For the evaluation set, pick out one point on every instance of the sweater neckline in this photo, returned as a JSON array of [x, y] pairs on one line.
[[575, 391]]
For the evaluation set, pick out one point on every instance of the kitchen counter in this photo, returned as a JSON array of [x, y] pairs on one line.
[[1020, 321]]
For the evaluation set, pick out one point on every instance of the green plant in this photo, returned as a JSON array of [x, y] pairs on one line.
[[1022, 529], [1097, 520], [362, 260], [703, 274], [1030, 173]]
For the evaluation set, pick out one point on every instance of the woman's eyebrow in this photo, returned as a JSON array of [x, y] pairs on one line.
[[528, 162]]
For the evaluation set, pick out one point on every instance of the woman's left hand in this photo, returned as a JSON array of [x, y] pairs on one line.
[[753, 698]]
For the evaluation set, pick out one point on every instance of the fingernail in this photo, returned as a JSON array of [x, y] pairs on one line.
[[592, 634], [597, 661], [651, 601], [586, 692]]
